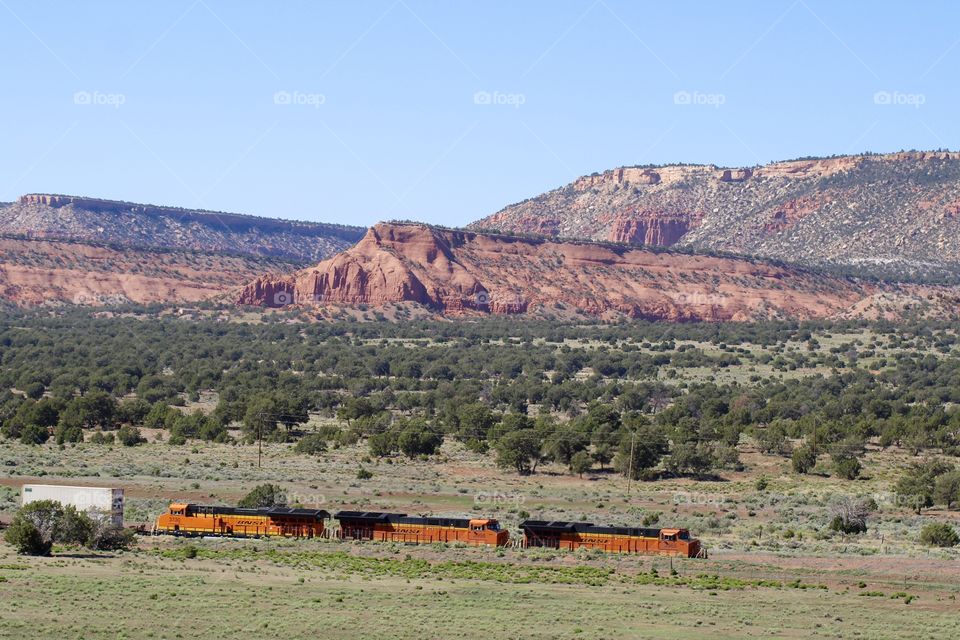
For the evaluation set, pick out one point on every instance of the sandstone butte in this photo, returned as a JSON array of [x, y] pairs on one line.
[[455, 273]]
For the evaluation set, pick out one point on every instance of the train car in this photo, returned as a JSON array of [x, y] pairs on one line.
[[574, 535], [398, 527], [183, 519]]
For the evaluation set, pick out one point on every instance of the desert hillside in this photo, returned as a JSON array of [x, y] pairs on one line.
[[37, 271], [144, 225], [91, 251], [895, 215]]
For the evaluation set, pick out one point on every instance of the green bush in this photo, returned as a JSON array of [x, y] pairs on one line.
[[100, 437], [939, 534], [34, 390], [581, 462], [383, 444], [129, 436], [311, 444], [519, 450], [846, 467], [919, 485], [418, 439], [946, 489], [111, 538], [647, 446], [63, 434], [26, 538], [34, 434], [264, 495], [803, 459], [39, 525], [75, 527]]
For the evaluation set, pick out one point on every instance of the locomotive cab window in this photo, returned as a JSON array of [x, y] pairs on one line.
[[684, 535], [671, 537]]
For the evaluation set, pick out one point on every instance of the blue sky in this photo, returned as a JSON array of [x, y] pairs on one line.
[[354, 112]]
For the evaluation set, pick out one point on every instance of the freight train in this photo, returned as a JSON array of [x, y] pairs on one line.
[[196, 520], [183, 519], [576, 535], [399, 527]]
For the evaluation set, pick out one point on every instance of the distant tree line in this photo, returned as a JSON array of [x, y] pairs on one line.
[[587, 396]]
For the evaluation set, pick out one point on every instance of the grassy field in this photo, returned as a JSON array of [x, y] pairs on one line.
[[789, 516], [774, 571], [317, 589]]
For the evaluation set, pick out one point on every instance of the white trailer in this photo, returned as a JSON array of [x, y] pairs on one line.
[[99, 502]]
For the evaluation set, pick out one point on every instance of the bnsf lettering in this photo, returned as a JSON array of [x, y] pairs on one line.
[[594, 540]]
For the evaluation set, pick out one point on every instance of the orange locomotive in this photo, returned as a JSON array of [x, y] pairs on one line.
[[573, 535], [197, 520], [398, 527]]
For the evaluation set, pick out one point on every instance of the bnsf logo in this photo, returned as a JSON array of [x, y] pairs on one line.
[[247, 522]]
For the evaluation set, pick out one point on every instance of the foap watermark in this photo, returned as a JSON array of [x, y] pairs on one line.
[[307, 500], [99, 99], [499, 98], [100, 299], [282, 298], [488, 498], [699, 498], [899, 99], [699, 99], [699, 299], [299, 99], [505, 301], [899, 500]]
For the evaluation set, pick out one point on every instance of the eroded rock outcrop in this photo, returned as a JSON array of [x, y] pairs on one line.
[[735, 175], [651, 228], [457, 272]]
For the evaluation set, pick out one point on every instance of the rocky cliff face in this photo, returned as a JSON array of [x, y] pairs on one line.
[[39, 272], [60, 248], [893, 215], [460, 272], [651, 228]]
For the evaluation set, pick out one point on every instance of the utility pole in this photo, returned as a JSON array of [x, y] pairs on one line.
[[259, 439], [815, 425], [633, 441]]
